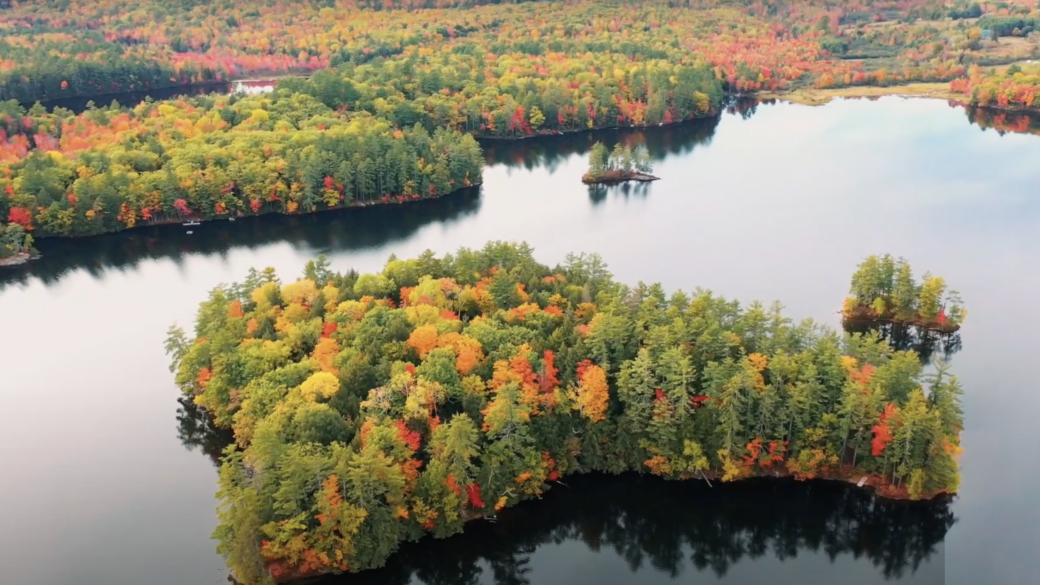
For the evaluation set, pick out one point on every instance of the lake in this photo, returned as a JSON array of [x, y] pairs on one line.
[[108, 478]]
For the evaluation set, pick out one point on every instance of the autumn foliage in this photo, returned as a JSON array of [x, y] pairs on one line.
[[882, 432], [390, 103], [592, 394], [362, 416]]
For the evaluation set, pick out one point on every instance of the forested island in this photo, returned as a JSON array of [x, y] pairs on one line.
[[16, 245], [884, 289], [617, 166], [371, 409], [398, 88]]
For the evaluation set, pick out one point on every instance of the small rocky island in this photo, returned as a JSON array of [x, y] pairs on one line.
[[618, 166], [15, 245]]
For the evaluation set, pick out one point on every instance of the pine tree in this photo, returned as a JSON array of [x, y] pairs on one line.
[[944, 396], [930, 301], [456, 444], [598, 160], [616, 157], [642, 160], [905, 293]]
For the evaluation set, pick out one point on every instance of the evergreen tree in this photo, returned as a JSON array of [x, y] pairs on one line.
[[598, 160]]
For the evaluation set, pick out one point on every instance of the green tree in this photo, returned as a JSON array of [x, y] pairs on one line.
[[598, 160], [536, 118], [930, 302], [905, 294]]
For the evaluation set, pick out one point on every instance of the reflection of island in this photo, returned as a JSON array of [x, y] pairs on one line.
[[662, 142], [550, 152], [345, 229], [195, 429], [903, 337], [669, 527]]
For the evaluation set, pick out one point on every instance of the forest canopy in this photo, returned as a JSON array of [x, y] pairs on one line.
[[399, 68], [217, 157], [371, 409]]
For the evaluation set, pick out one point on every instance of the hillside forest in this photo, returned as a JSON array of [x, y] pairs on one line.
[[372, 409], [381, 102]]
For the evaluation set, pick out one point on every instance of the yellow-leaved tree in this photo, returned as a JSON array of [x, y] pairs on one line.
[[319, 385], [592, 395]]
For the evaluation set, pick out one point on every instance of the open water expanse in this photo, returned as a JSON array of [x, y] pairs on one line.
[[105, 478]]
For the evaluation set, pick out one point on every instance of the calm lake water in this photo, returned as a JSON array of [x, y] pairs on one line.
[[107, 478]]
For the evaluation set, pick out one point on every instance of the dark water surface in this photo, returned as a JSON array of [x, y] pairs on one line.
[[105, 477], [130, 99]]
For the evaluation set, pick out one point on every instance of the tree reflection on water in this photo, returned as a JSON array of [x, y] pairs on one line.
[[909, 337], [196, 430], [675, 526], [663, 526]]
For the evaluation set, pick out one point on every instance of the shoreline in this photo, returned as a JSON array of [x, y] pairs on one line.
[[870, 482], [922, 90], [805, 96], [17, 259], [819, 97], [618, 178], [393, 200], [396, 200], [557, 133], [864, 316]]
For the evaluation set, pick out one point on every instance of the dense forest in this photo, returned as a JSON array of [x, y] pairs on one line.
[[371, 409], [393, 88], [217, 156], [57, 49], [884, 289]]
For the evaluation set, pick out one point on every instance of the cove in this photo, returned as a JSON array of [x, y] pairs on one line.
[[776, 204]]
